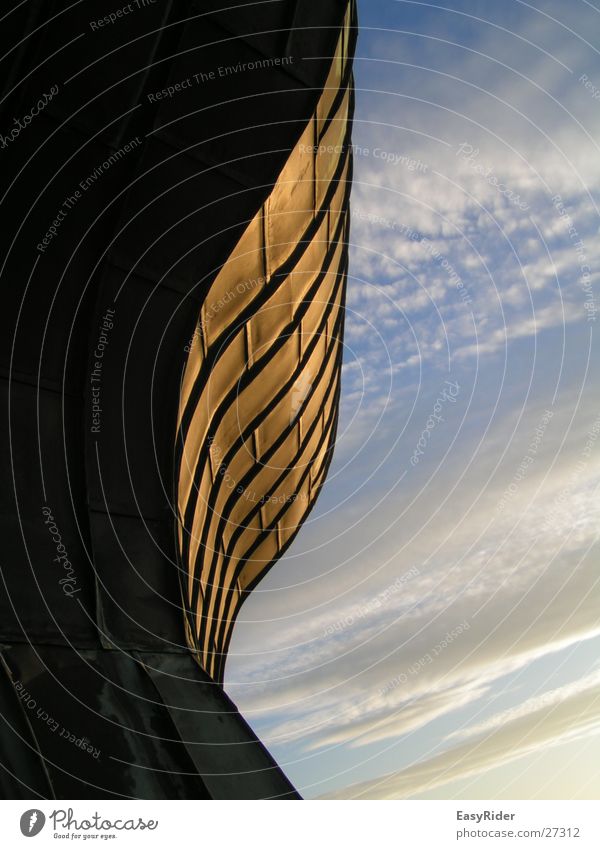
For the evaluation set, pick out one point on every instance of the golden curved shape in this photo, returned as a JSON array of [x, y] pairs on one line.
[[259, 396]]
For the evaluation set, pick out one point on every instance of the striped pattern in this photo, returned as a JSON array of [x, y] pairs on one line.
[[259, 395]]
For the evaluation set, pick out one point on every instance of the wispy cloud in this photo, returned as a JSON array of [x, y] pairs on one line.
[[566, 714]]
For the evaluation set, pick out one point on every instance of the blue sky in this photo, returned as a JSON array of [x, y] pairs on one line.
[[434, 630]]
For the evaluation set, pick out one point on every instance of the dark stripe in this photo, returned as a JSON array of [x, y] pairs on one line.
[[263, 415], [245, 381], [220, 588], [228, 631], [280, 274], [216, 639]]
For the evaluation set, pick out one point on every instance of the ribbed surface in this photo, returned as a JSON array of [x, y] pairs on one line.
[[259, 396]]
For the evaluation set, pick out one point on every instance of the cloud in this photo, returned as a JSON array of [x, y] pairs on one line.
[[569, 713], [544, 701]]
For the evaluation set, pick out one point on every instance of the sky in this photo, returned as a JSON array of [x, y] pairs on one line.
[[434, 630]]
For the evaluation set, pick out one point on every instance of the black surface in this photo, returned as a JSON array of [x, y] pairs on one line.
[[144, 240]]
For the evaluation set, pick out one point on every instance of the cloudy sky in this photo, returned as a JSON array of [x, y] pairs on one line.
[[434, 631]]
